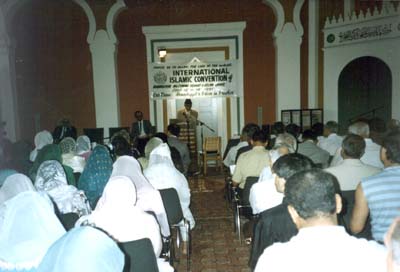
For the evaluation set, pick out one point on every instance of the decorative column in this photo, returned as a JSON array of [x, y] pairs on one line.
[[313, 34], [287, 41], [103, 44]]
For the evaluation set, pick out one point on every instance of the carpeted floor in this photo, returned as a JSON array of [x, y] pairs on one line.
[[215, 246]]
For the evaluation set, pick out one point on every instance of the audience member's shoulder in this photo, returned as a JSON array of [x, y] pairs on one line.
[[278, 210]]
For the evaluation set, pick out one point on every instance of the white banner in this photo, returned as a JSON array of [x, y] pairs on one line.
[[194, 79]]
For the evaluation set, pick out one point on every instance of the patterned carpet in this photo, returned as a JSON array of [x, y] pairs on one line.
[[215, 246]]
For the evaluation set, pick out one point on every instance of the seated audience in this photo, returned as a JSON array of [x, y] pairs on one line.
[[372, 150], [377, 196], [293, 130], [310, 149], [330, 140], [173, 141], [117, 214], [13, 185], [162, 174], [51, 152], [252, 162], [83, 146], [230, 158], [263, 194], [96, 174], [42, 139], [150, 146], [120, 146], [69, 156], [350, 172], [29, 228], [148, 198], [320, 245], [392, 242], [250, 129], [51, 179], [175, 155], [83, 249], [275, 225]]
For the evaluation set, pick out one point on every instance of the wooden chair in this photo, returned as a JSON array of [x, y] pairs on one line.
[[211, 152]]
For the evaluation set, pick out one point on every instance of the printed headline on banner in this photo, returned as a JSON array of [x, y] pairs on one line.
[[194, 79]]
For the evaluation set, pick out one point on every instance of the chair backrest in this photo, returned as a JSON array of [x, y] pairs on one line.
[[139, 256], [231, 143], [172, 205], [246, 191], [94, 134], [212, 144]]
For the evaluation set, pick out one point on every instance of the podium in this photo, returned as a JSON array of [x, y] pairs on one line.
[[188, 136]]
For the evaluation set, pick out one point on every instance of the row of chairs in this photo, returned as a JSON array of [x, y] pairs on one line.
[[240, 203]]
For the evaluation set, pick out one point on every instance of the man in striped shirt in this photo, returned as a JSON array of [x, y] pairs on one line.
[[379, 195]]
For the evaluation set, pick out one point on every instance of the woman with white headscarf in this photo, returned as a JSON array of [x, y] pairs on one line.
[[83, 146], [83, 249], [162, 174], [30, 227], [150, 146], [69, 157], [117, 214], [51, 178], [42, 139], [148, 198], [13, 185]]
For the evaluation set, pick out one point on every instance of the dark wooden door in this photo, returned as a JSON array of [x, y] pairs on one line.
[[365, 91]]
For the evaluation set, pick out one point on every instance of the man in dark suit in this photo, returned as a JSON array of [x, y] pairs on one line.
[[141, 131], [141, 128], [63, 130]]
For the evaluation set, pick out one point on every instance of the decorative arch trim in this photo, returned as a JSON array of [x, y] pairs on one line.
[[92, 20], [279, 14], [112, 15]]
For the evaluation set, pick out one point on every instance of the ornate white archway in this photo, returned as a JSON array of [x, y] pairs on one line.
[[375, 34]]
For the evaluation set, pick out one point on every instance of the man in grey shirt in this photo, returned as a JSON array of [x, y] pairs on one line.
[[310, 149]]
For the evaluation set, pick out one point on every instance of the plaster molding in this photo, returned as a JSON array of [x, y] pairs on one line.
[[279, 14], [112, 15], [296, 17], [92, 20]]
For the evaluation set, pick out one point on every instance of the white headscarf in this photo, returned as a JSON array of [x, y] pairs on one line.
[[30, 227], [41, 139], [13, 185], [82, 144], [51, 178], [83, 249], [150, 146], [117, 214], [148, 198], [162, 174], [68, 145]]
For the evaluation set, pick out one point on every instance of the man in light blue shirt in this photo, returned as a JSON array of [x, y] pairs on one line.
[[379, 195]]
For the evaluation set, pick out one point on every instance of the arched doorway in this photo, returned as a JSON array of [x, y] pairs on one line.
[[365, 91]]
